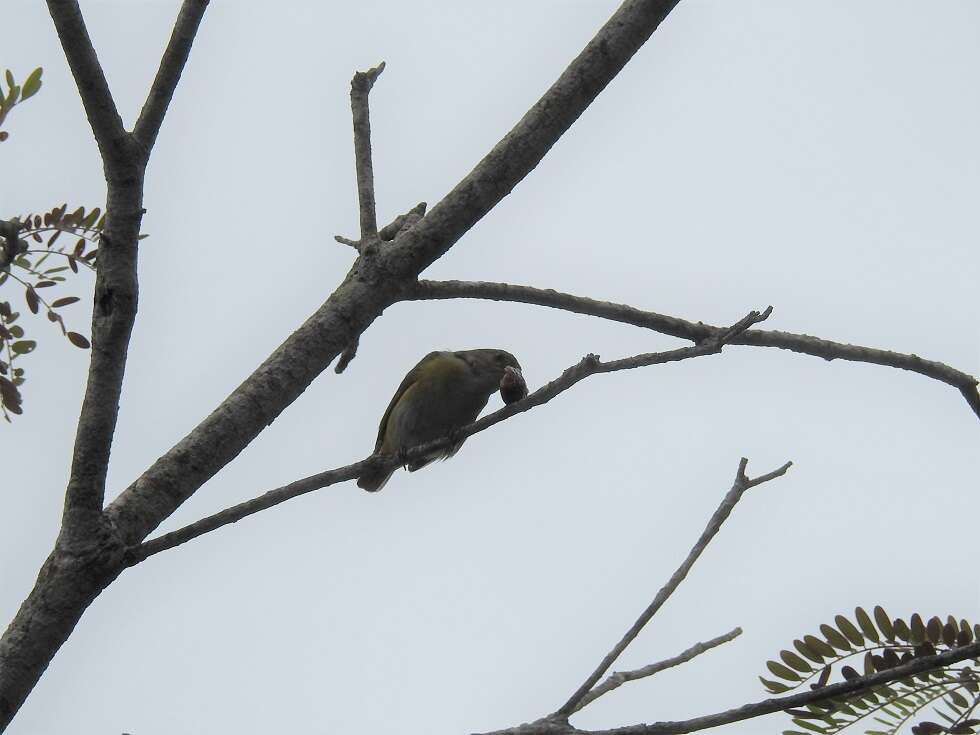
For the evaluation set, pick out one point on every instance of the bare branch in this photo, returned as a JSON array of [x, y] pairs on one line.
[[114, 142], [374, 284], [740, 485], [530, 140], [347, 241], [116, 286], [618, 678], [696, 331], [588, 366], [171, 66], [245, 509], [360, 88]]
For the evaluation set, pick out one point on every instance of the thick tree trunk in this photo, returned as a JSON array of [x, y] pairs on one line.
[[66, 585]]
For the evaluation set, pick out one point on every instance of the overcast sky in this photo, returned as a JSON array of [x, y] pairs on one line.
[[818, 156]]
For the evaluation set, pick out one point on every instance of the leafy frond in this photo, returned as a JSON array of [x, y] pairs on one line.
[[872, 643], [32, 260], [16, 93]]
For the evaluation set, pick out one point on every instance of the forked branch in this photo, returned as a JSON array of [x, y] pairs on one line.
[[618, 678], [739, 486]]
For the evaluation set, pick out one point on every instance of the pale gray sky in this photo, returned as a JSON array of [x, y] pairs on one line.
[[821, 157]]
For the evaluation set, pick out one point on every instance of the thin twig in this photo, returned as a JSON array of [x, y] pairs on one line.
[[589, 365], [360, 88], [618, 678], [236, 512], [168, 74], [676, 327], [739, 486]]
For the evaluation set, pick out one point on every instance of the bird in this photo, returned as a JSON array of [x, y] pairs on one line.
[[445, 391]]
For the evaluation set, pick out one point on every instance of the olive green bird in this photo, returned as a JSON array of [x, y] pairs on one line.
[[444, 392]]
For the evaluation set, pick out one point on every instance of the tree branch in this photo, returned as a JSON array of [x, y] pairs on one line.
[[372, 285], [114, 142], [696, 331], [116, 286], [589, 365], [740, 485], [360, 88], [529, 141], [618, 678], [168, 74], [236, 512]]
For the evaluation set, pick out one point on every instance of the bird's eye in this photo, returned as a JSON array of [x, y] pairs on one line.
[[501, 358]]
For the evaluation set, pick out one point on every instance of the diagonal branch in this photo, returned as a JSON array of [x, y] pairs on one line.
[[741, 484], [373, 284], [618, 678], [168, 74], [236, 512], [113, 140], [676, 327], [589, 365], [530, 140]]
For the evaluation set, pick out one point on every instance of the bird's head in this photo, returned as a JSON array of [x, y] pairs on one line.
[[488, 367]]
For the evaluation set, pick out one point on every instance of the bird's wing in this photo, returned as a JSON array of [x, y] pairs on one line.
[[407, 383]]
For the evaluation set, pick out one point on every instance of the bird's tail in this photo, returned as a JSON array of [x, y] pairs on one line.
[[373, 480]]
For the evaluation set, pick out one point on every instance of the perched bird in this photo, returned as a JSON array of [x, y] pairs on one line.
[[444, 392]]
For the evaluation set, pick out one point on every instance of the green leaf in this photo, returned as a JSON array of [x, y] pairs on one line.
[[834, 638], [65, 301], [884, 623], [804, 649], [78, 340], [934, 629], [867, 627], [31, 299], [781, 671], [23, 346], [958, 699], [901, 629], [808, 725], [819, 646], [917, 629], [774, 687], [791, 659], [91, 218], [949, 634], [847, 628], [824, 677], [32, 84]]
